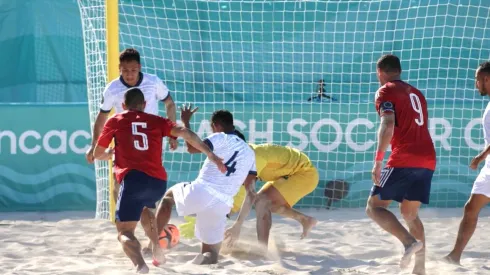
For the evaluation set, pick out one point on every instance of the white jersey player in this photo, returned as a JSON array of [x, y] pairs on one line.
[[131, 76], [154, 91], [480, 194], [210, 196]]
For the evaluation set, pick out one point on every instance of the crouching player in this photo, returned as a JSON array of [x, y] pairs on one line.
[[138, 166], [289, 176], [210, 196]]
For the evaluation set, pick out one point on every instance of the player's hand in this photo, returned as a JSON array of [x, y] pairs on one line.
[[90, 155], [173, 144], [186, 112], [231, 235], [109, 152], [476, 161], [376, 172], [218, 161]]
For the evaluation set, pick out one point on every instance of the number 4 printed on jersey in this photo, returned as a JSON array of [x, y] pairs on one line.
[[231, 168]]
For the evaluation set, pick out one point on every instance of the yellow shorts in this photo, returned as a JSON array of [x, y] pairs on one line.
[[293, 189]]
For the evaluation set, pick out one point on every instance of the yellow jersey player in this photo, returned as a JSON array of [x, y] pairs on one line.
[[289, 176]]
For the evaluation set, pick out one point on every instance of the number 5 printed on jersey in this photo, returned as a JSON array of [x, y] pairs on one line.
[[143, 145]]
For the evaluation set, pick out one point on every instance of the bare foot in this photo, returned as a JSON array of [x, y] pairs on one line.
[[158, 256], [142, 269], [205, 259], [451, 260], [307, 224], [409, 252], [418, 271]]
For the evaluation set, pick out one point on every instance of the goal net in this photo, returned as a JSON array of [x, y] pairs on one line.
[[263, 61]]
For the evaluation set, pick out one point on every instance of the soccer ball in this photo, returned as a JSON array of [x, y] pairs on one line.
[[169, 237]]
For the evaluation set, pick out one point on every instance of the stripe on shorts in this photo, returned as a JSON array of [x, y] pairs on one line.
[[385, 175]]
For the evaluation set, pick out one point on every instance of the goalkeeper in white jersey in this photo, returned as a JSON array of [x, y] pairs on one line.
[[210, 196], [154, 91]]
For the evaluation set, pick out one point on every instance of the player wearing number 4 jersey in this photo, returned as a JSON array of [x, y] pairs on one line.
[[138, 166], [210, 196], [408, 172]]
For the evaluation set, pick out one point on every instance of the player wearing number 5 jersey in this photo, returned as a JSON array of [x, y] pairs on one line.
[[210, 196], [408, 172], [138, 166]]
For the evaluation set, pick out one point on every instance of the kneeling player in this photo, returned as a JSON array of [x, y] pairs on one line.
[[210, 196], [289, 176], [138, 166]]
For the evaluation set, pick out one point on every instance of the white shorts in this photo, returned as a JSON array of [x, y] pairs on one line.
[[482, 183], [210, 213]]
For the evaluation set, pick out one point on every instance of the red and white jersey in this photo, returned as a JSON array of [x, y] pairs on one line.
[[151, 86], [411, 145], [138, 142]]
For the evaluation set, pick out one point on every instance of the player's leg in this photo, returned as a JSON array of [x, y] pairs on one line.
[[210, 230], [188, 199], [148, 222], [409, 211], [285, 193], [164, 211], [392, 187], [157, 189], [479, 198], [131, 245], [418, 193], [264, 218], [128, 213]]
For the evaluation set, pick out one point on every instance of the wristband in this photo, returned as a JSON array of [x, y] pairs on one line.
[[380, 155]]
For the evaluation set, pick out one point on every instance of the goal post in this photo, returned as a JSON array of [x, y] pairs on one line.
[[263, 59], [112, 25], [100, 26]]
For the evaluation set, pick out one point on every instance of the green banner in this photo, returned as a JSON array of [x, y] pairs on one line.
[[42, 164]]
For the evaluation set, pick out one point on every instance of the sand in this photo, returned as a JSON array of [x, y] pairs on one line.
[[344, 242]]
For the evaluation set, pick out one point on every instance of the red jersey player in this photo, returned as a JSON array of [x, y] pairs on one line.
[[138, 166], [408, 174]]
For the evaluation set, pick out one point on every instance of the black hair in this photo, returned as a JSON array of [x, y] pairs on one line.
[[223, 118], [133, 98], [389, 63], [129, 55], [484, 67], [240, 135]]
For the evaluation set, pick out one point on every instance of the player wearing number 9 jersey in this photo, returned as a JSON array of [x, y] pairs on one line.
[[138, 166], [408, 173]]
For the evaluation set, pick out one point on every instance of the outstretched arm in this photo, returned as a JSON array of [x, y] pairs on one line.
[[102, 150], [249, 200], [191, 138], [170, 108], [186, 113], [233, 232]]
